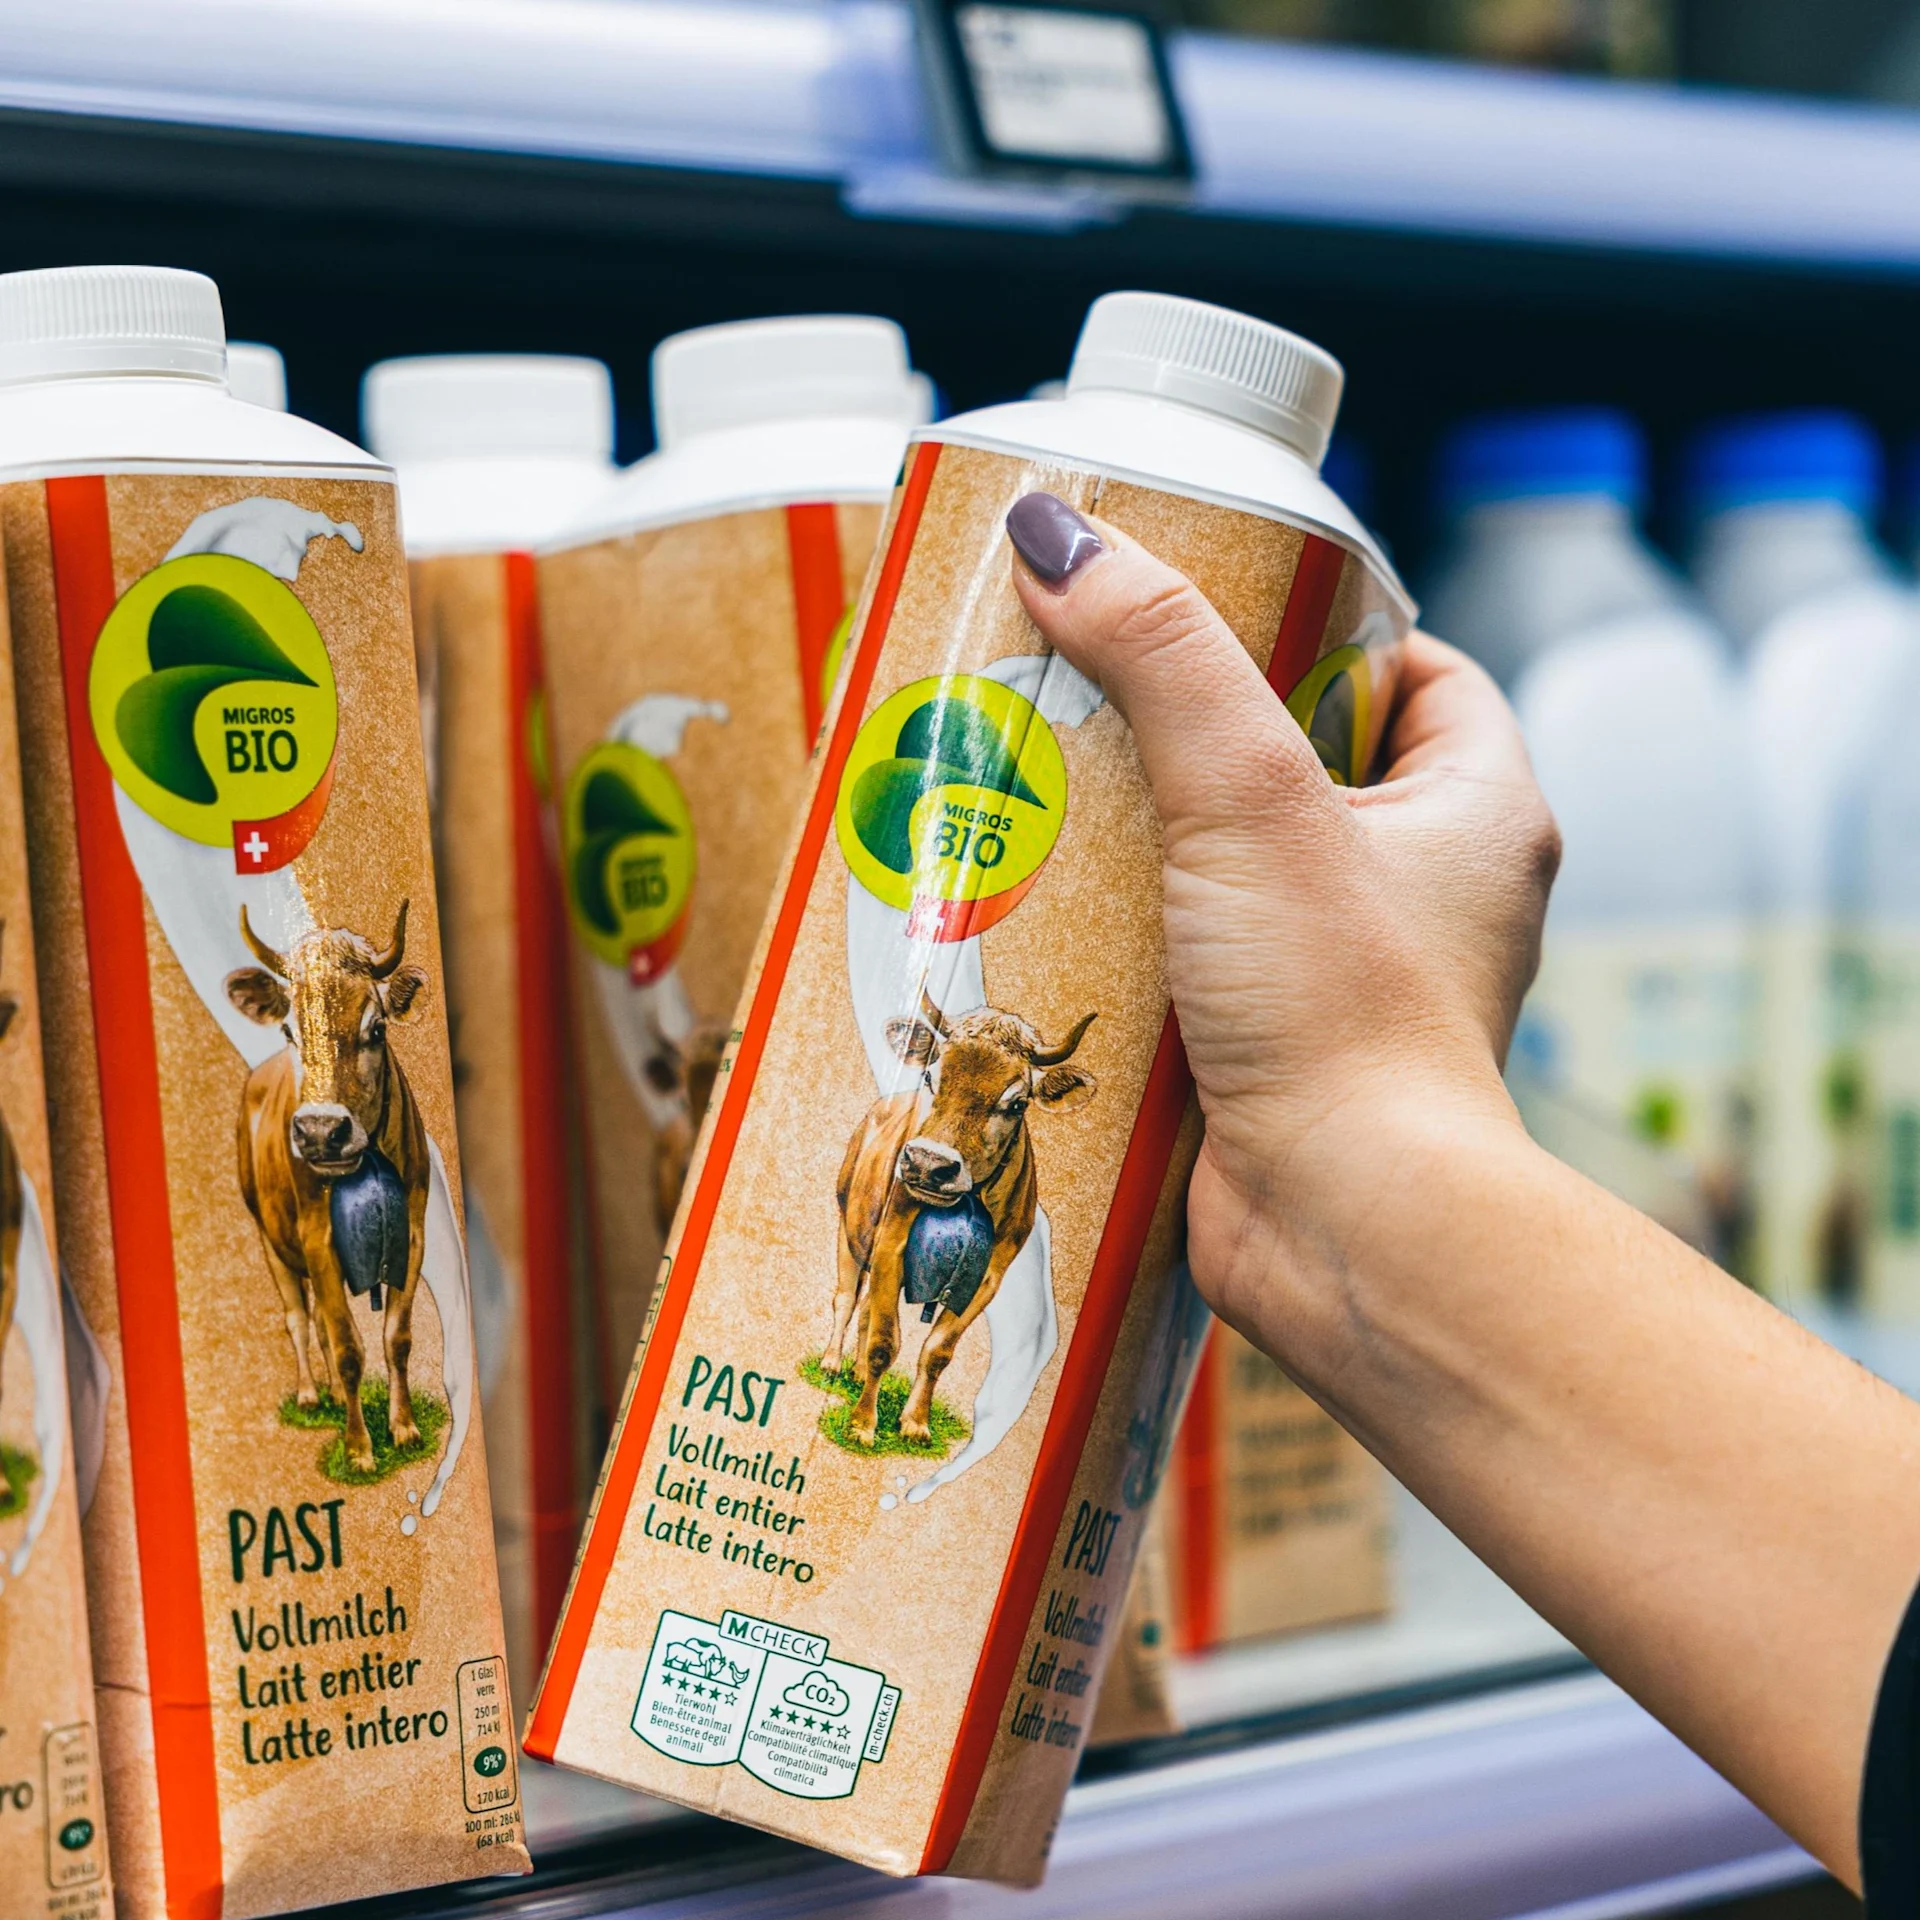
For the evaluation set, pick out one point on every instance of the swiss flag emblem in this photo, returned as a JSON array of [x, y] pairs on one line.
[[261, 846]]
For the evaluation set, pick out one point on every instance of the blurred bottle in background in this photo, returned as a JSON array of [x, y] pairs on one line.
[[257, 374], [1781, 509], [1539, 510], [1880, 861], [1631, 1057], [1879, 856], [1784, 555]]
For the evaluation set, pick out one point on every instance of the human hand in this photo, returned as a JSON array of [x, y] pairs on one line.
[[1632, 1439], [1347, 963]]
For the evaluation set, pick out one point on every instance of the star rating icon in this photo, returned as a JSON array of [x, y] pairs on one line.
[[701, 1690]]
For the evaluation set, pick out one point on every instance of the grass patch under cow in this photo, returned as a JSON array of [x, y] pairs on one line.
[[18, 1471], [945, 1426], [429, 1415]]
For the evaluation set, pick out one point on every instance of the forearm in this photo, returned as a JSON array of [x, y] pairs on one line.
[[1719, 1510], [1714, 1506]]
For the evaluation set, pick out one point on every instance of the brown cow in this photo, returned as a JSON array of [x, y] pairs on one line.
[[308, 1117], [683, 1075], [962, 1132]]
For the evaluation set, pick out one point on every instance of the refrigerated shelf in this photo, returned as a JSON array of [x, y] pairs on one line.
[[828, 91], [372, 177], [376, 176], [1454, 1761], [1552, 1799]]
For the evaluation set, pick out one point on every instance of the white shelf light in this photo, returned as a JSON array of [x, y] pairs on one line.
[[828, 90]]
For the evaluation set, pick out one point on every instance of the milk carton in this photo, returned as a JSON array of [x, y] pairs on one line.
[[693, 618], [53, 1828], [1278, 1519], [289, 1556], [494, 453], [923, 1314]]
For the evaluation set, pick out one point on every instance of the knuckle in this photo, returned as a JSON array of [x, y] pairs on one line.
[[1542, 843], [1168, 611], [1253, 785], [1286, 769]]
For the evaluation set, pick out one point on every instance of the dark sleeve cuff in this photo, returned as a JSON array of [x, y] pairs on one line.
[[1890, 1794]]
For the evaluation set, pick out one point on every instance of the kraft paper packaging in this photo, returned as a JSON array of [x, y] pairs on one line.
[[874, 1616], [296, 1624], [425, 617], [688, 669], [1278, 1519], [540, 1334], [1136, 1694], [53, 1840]]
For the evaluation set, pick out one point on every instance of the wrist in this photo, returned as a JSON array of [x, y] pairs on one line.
[[1317, 1235]]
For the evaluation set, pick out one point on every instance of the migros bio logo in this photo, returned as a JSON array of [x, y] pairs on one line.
[[213, 700], [627, 838], [953, 797]]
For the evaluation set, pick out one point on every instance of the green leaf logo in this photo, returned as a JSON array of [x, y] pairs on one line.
[[199, 639], [610, 811], [952, 797], [627, 847], [214, 702], [945, 742]]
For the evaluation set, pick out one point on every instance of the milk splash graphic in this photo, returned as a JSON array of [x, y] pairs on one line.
[[36, 1316], [887, 971], [197, 898]]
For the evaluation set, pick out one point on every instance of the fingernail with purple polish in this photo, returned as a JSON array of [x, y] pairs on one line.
[[1052, 539]]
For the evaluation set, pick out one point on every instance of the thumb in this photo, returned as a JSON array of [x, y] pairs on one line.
[[1219, 748]]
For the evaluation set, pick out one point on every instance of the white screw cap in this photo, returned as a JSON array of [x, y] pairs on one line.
[[477, 406], [1210, 357], [59, 322], [257, 374], [750, 372], [923, 400]]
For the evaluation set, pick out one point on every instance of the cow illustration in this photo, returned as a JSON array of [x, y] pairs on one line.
[[938, 1192], [334, 1165], [682, 1074]]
